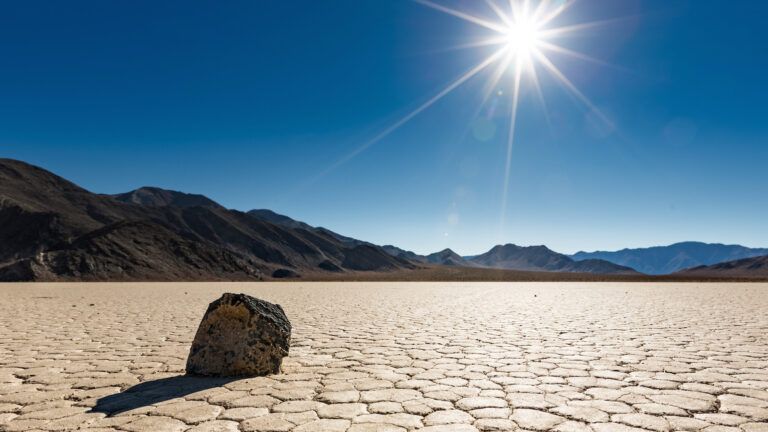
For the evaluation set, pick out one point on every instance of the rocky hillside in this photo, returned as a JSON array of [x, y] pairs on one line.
[[156, 197], [52, 229]]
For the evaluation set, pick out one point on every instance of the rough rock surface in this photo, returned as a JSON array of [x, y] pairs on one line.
[[240, 335]]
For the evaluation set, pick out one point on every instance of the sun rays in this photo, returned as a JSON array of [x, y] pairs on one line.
[[523, 35]]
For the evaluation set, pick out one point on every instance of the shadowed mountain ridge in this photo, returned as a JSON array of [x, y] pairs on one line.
[[157, 197], [52, 229]]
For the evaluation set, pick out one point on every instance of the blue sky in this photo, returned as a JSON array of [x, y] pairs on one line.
[[248, 102]]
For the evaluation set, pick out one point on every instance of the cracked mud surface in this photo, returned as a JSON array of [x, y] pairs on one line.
[[394, 357]]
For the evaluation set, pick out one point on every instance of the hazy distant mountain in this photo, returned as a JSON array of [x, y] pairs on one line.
[[541, 258], [156, 197], [512, 257], [756, 267], [51, 229], [670, 259]]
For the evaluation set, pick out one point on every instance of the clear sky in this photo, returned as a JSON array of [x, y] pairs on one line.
[[251, 103]]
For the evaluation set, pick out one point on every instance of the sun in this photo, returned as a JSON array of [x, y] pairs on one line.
[[522, 37], [524, 34]]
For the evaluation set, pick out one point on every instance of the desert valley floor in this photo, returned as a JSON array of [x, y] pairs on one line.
[[394, 357]]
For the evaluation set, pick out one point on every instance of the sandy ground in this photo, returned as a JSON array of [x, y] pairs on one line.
[[395, 357]]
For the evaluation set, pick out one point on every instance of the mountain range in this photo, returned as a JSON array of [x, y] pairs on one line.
[[513, 257], [541, 258], [661, 260], [52, 229], [445, 257]]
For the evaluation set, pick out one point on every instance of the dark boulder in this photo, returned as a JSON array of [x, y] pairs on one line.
[[240, 336]]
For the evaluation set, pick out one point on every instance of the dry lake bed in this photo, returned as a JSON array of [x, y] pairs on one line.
[[393, 357]]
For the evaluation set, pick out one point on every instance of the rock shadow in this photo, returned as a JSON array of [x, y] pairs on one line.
[[152, 392]]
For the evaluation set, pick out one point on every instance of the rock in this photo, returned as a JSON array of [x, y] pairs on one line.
[[240, 336]]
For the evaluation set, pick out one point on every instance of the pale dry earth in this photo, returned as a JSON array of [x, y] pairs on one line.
[[395, 357]]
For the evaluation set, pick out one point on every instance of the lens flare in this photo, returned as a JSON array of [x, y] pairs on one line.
[[523, 34]]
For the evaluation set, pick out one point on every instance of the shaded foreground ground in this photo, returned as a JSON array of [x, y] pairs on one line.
[[395, 357]]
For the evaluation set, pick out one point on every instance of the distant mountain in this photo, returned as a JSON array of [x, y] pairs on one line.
[[51, 229], [541, 258], [447, 257], [512, 257], [673, 258], [748, 268], [156, 197]]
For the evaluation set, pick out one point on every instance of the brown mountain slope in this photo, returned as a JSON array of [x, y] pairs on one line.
[[541, 258], [45, 221], [747, 268]]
